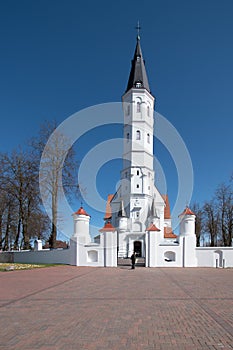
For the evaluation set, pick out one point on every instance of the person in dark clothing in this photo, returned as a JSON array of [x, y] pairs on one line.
[[133, 260]]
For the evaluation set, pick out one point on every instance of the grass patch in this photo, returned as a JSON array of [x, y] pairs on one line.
[[20, 266]]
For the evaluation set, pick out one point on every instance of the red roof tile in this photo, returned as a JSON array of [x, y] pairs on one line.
[[107, 228], [81, 211], [108, 213], [59, 244], [167, 213], [152, 227], [168, 233], [187, 211]]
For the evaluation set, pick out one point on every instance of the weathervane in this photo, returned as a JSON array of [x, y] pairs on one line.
[[138, 29]]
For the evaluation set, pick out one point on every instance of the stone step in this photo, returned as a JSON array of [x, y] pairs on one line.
[[127, 262]]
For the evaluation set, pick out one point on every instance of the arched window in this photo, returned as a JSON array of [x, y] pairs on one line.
[[127, 136], [169, 256], [138, 107], [138, 135], [148, 138], [137, 172], [92, 256]]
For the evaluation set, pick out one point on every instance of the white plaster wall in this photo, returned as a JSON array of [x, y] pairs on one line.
[[162, 249], [206, 256], [84, 261], [110, 249], [45, 256]]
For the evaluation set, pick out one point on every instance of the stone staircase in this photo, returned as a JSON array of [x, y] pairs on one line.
[[140, 262]]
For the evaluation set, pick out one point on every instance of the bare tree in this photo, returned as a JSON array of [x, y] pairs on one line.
[[19, 183], [211, 221], [58, 170], [224, 201], [198, 211]]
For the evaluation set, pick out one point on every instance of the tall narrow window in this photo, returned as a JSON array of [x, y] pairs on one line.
[[148, 111], [137, 172], [138, 107], [128, 110], [148, 138], [137, 186], [138, 135], [127, 136]]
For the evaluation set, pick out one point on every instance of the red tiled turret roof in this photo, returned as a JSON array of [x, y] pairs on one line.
[[168, 233], [152, 227], [187, 211], [81, 211], [107, 228], [108, 213], [167, 213]]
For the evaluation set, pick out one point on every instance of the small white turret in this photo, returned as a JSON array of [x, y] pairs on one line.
[[153, 238], [81, 225], [188, 238], [187, 222], [109, 234]]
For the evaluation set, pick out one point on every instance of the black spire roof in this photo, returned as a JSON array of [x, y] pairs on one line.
[[138, 76]]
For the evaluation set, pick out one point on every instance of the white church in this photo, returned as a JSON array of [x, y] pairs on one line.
[[137, 217]]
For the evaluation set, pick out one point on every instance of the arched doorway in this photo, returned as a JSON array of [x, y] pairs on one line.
[[137, 247]]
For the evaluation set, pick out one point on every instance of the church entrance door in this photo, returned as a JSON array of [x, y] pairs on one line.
[[137, 247]]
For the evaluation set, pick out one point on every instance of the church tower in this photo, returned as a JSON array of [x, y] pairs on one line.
[[137, 191], [138, 106]]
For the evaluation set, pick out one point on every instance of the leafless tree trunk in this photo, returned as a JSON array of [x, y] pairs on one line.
[[199, 222], [58, 170], [19, 182], [211, 222], [224, 196]]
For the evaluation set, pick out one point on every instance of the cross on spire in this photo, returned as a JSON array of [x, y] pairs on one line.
[[138, 30]]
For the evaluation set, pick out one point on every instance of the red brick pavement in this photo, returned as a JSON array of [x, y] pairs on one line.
[[65, 308]]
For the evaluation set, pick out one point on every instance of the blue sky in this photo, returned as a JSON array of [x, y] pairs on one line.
[[58, 57]]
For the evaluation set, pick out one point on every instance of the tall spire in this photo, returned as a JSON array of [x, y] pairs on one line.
[[138, 77], [121, 212], [153, 211]]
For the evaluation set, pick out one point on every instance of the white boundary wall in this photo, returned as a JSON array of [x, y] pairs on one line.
[[56, 256], [214, 256], [93, 255]]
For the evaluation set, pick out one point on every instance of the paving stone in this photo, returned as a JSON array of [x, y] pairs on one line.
[[67, 307]]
